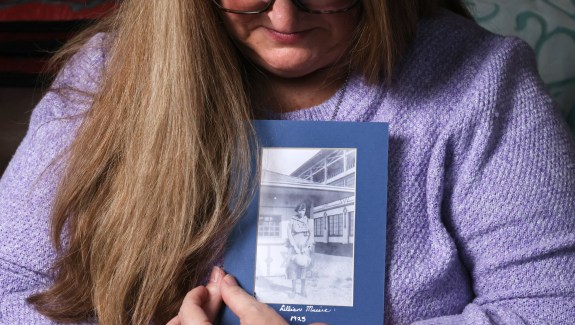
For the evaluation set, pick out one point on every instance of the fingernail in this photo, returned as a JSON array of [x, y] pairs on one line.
[[216, 275], [229, 280]]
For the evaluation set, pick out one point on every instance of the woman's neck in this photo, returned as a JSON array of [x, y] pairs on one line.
[[291, 94]]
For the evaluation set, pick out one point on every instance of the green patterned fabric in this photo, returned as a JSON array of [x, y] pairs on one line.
[[549, 27]]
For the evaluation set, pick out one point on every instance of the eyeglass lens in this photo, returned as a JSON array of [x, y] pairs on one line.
[[258, 5]]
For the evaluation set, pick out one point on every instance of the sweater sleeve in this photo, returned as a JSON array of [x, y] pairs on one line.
[[28, 186], [509, 201]]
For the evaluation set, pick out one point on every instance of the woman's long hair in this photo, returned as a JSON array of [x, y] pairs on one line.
[[161, 167]]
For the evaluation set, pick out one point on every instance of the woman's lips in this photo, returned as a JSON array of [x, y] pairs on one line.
[[287, 38]]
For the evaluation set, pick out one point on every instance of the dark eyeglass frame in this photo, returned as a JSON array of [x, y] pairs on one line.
[[297, 3]]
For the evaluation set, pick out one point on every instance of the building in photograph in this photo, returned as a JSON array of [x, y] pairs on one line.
[[326, 182], [333, 222]]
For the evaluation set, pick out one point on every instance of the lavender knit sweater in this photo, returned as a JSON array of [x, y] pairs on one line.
[[481, 217]]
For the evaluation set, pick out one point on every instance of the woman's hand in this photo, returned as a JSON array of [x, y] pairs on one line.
[[201, 305], [247, 308]]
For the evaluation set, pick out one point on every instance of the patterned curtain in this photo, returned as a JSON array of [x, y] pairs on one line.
[[549, 27]]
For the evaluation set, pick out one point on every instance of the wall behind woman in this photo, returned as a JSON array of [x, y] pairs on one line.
[[549, 27]]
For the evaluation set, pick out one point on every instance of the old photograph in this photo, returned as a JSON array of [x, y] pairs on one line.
[[306, 223]]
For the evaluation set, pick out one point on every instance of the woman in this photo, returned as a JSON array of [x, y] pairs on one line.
[[300, 240], [136, 162]]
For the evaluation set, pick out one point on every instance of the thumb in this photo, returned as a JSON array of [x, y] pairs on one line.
[[247, 308]]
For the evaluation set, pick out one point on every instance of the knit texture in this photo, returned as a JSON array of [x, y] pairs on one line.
[[481, 206]]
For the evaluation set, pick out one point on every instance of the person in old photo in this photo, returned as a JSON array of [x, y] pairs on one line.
[[300, 246]]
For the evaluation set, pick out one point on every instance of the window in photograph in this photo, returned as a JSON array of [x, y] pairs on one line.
[[335, 225], [351, 218], [339, 182], [319, 226], [319, 176], [335, 168], [350, 160], [269, 226], [348, 181]]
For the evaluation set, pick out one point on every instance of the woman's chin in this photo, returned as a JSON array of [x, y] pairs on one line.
[[289, 71], [289, 65]]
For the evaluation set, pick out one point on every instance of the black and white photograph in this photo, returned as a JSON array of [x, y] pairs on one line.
[[306, 226]]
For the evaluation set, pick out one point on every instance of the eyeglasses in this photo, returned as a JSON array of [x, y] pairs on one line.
[[309, 6]]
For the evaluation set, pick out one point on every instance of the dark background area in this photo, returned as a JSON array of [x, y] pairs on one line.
[[30, 32], [16, 104]]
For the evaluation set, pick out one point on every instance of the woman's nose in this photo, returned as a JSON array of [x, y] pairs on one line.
[[284, 15]]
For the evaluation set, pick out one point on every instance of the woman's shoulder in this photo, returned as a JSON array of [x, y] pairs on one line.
[[83, 70], [71, 92], [457, 46], [452, 60], [449, 32]]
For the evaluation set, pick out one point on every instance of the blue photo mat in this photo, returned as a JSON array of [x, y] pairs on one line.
[[371, 142]]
